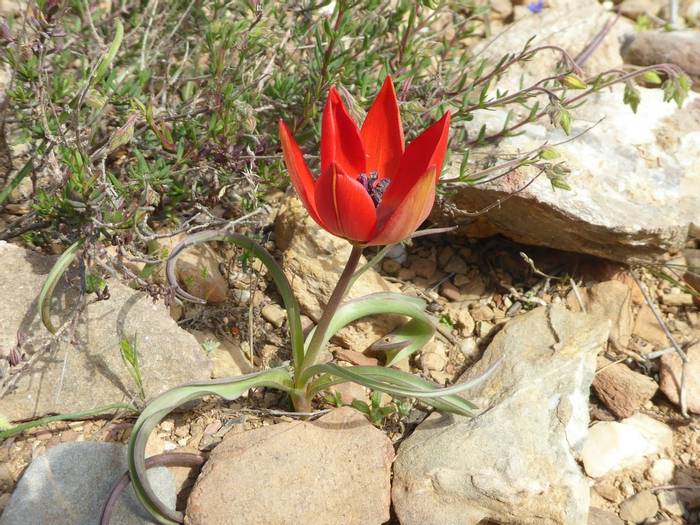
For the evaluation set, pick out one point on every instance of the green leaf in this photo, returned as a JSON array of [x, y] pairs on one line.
[[276, 272], [229, 389], [565, 121], [403, 341], [62, 264], [109, 56], [21, 174], [401, 384], [631, 96], [107, 409]]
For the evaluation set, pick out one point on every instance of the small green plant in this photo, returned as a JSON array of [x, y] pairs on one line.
[[378, 413], [127, 348]]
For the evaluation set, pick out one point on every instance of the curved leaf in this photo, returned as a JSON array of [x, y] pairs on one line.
[[399, 383], [161, 406], [403, 341], [283, 286], [62, 264]]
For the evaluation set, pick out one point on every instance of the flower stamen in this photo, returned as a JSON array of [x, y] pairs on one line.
[[375, 189]]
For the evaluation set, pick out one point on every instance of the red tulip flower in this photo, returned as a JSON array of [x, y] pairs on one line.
[[371, 190]]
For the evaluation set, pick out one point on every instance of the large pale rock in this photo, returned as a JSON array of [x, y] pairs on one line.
[[570, 25], [612, 446], [71, 482], [313, 260], [515, 461], [634, 180], [88, 371], [335, 470]]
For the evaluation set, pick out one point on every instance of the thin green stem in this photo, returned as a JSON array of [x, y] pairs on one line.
[[317, 341]]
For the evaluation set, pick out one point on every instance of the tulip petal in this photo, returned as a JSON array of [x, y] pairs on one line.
[[299, 172], [340, 139], [405, 218], [426, 151], [344, 205], [382, 135]]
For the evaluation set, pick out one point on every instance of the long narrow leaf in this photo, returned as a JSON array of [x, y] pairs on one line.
[[405, 340], [283, 286], [400, 384], [62, 264], [108, 58], [21, 174], [160, 407], [107, 409]]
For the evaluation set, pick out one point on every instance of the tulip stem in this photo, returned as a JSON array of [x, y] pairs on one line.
[[334, 301]]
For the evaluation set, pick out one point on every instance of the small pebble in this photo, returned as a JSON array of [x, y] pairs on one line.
[[639, 507]]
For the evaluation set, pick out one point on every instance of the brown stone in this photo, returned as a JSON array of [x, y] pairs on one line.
[[622, 390], [647, 327], [335, 470]]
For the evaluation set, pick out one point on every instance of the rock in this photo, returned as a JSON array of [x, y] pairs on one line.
[[692, 273], [197, 270], [349, 392], [612, 300], [670, 377], [456, 265], [681, 48], [227, 356], [607, 490], [677, 299], [459, 314], [432, 361], [424, 267], [450, 292], [570, 25], [622, 204], [70, 483], [482, 312], [622, 390], [274, 314], [647, 327], [89, 372], [515, 461], [635, 8], [391, 267], [356, 358], [603, 517], [334, 470], [639, 507], [671, 502], [612, 446], [661, 471], [313, 260]]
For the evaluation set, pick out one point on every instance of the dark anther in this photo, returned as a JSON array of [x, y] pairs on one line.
[[374, 188]]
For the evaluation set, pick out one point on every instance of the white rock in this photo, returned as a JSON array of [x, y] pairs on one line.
[[633, 179], [612, 446], [661, 471]]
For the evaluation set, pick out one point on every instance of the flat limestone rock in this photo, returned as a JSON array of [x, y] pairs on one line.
[[633, 181], [87, 371], [516, 461], [332, 471], [70, 483]]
